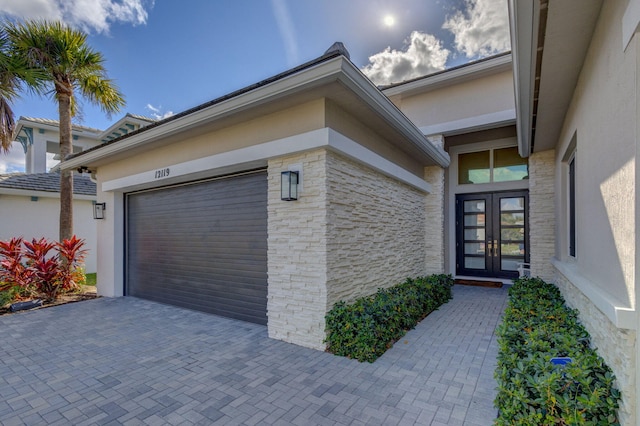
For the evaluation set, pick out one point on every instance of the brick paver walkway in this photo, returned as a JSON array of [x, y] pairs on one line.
[[133, 362]]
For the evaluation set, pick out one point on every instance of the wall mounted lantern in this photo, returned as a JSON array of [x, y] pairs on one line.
[[289, 188], [98, 210]]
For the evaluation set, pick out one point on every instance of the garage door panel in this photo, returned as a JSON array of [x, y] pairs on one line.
[[201, 246]]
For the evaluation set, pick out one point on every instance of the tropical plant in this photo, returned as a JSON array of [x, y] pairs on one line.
[[13, 271], [41, 267], [70, 68], [15, 75]]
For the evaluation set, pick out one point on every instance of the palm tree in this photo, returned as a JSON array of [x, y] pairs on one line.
[[70, 67], [14, 74]]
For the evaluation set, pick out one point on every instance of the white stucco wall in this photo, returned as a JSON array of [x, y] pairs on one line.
[[37, 219]]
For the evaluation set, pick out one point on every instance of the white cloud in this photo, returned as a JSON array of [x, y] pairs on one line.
[[88, 15], [482, 29], [287, 31], [423, 54], [156, 112], [14, 161]]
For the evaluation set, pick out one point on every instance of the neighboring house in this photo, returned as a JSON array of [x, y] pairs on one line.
[[30, 202], [30, 208], [471, 171]]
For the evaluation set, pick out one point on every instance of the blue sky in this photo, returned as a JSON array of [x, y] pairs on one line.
[[168, 56]]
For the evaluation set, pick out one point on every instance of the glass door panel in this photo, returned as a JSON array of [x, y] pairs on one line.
[[491, 233]]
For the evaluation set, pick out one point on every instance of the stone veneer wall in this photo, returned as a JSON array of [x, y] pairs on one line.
[[375, 232], [352, 230], [434, 210], [542, 213], [615, 345], [297, 253]]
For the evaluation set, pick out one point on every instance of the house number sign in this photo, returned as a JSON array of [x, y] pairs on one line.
[[161, 173]]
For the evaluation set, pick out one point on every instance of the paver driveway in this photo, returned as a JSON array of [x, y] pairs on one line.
[[130, 361]]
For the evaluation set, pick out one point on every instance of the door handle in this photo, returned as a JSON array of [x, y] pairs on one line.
[[490, 248], [495, 248]]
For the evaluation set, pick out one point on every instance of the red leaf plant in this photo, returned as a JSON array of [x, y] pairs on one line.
[[50, 268], [70, 257], [13, 272]]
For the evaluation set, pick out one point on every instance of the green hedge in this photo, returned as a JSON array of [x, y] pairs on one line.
[[536, 327], [365, 329]]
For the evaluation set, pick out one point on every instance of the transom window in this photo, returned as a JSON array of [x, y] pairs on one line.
[[493, 165]]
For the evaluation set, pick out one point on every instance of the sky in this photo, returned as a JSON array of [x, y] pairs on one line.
[[169, 56]]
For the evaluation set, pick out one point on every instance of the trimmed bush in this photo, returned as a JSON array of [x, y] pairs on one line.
[[365, 329], [536, 327]]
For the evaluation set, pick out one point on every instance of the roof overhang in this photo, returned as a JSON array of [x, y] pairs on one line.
[[335, 78], [549, 42]]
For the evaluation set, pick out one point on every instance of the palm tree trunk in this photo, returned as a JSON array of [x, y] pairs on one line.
[[66, 177]]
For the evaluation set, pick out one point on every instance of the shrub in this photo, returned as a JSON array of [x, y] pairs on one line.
[[41, 266], [365, 329], [536, 327]]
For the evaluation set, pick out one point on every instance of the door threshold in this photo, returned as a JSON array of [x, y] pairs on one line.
[[505, 281]]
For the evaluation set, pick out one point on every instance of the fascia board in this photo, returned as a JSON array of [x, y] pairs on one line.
[[353, 78], [322, 72], [453, 77], [523, 21]]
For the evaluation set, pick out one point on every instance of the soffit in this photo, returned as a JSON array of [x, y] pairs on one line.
[[569, 28]]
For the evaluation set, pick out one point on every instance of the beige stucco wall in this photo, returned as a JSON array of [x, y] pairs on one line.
[[602, 123], [289, 122], [602, 117], [37, 219], [484, 95]]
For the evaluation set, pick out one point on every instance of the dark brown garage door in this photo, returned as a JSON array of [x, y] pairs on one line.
[[201, 246]]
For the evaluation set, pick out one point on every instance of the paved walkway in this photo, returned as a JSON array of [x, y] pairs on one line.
[[133, 362]]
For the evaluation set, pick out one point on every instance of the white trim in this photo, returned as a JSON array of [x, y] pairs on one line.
[[357, 152], [630, 22], [257, 156], [621, 316], [472, 124]]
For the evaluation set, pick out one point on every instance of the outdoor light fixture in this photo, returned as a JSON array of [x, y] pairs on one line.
[[98, 210], [289, 188]]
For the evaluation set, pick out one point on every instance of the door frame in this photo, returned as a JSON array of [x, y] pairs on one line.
[[492, 229]]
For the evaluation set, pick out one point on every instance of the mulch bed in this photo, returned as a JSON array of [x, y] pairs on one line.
[[62, 300]]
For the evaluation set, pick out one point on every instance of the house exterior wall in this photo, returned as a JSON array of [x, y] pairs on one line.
[[542, 214], [276, 125], [375, 230], [352, 231], [40, 218], [466, 102], [435, 215], [297, 253], [600, 128]]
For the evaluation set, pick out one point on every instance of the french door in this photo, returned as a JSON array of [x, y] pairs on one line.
[[492, 233]]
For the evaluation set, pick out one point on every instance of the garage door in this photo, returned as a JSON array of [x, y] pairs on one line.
[[201, 246]]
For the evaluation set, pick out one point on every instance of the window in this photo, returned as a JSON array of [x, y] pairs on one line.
[[494, 165], [572, 207]]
